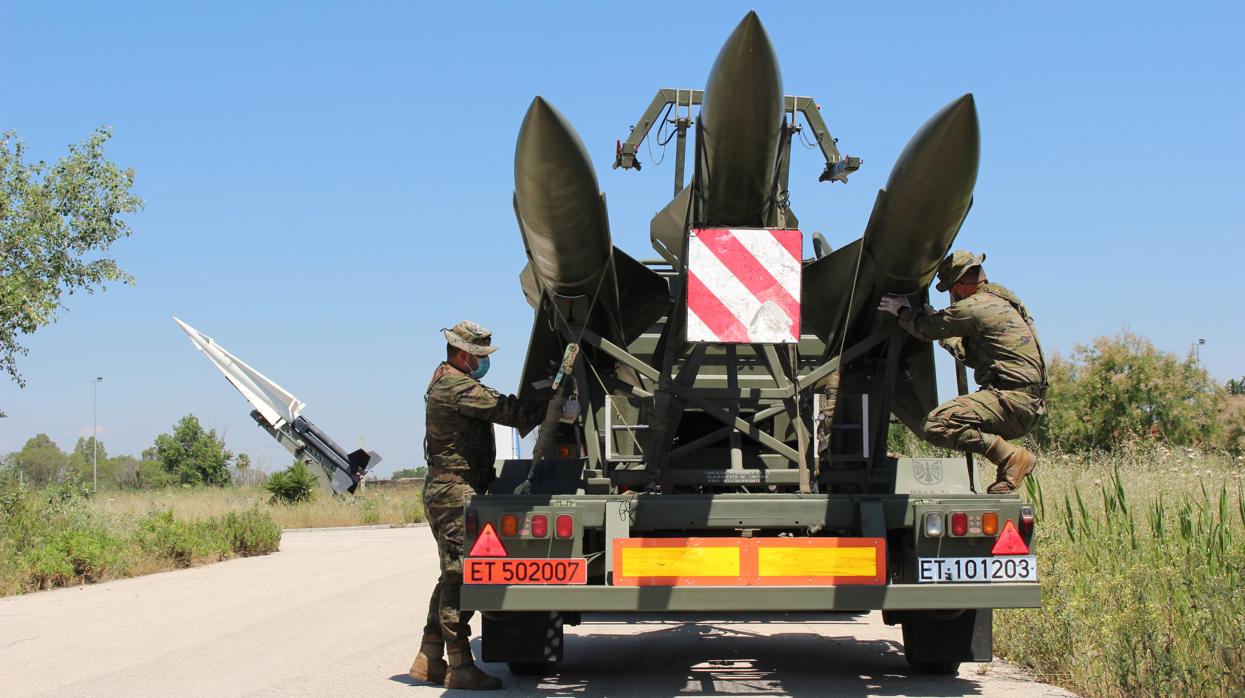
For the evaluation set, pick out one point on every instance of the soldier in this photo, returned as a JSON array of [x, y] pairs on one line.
[[988, 328], [459, 447]]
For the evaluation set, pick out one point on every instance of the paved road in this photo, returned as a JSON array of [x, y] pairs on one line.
[[338, 612]]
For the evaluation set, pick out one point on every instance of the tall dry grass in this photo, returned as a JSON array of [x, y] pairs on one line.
[[1142, 553], [375, 505]]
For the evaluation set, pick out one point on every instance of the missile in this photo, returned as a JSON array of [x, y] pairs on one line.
[[574, 275], [739, 134], [740, 130], [278, 412], [564, 222], [914, 222]]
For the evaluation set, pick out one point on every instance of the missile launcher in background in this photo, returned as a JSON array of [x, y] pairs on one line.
[[279, 413]]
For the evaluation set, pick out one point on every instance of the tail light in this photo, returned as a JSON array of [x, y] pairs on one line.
[[509, 525], [989, 523], [959, 524], [934, 525], [540, 525], [1027, 519], [564, 526], [473, 522]]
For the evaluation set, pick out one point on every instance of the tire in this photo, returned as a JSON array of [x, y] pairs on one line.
[[532, 668]]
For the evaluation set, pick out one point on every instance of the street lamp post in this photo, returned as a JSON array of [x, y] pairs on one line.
[[95, 433]]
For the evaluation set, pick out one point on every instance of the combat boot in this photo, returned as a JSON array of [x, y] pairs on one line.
[[429, 665], [463, 672], [1014, 464]]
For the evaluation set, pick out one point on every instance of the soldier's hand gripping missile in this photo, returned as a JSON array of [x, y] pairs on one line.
[[574, 273], [279, 413]]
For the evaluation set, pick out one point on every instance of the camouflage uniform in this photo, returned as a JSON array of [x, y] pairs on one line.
[[992, 333], [460, 450]]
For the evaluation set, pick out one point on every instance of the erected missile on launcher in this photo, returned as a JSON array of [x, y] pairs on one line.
[[739, 135], [915, 219], [279, 413], [740, 129], [575, 277]]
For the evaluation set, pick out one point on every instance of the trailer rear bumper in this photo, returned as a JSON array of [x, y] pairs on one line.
[[892, 597]]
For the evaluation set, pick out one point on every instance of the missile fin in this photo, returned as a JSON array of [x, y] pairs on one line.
[[647, 295], [670, 225], [544, 351], [916, 392], [826, 287]]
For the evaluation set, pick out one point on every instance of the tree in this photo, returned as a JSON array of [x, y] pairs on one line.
[[193, 456], [82, 460], [40, 461], [1122, 388], [421, 471], [53, 222]]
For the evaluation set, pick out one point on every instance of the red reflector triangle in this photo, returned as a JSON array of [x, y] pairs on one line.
[[489, 545], [1009, 541]]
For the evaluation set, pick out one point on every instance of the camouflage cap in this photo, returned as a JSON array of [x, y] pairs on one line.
[[471, 338], [954, 266]]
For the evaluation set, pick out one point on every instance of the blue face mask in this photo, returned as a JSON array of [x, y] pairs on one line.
[[481, 369]]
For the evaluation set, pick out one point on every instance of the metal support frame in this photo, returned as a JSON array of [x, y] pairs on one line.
[[725, 404], [837, 169]]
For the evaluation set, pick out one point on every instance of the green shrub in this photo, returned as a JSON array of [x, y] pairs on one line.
[[292, 485], [1120, 389], [251, 532], [72, 556], [182, 542]]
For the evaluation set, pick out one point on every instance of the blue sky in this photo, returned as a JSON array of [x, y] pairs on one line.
[[327, 185]]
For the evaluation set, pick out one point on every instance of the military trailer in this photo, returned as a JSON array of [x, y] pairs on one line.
[[697, 478]]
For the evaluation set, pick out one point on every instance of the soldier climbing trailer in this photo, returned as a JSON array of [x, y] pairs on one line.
[[694, 479]]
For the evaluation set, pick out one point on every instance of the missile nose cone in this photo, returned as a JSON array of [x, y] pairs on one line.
[[558, 199], [548, 148], [946, 147], [740, 126]]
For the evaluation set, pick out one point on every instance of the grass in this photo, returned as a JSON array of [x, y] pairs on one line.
[[1143, 571], [54, 537], [376, 505], [64, 536]]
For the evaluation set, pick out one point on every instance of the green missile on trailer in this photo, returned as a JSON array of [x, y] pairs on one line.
[[691, 481]]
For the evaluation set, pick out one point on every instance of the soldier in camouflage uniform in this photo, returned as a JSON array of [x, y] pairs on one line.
[[989, 329], [460, 449]]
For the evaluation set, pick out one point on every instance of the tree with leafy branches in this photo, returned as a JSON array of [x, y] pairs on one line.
[[192, 455], [55, 223]]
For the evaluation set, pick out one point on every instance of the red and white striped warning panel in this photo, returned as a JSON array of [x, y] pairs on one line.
[[743, 285]]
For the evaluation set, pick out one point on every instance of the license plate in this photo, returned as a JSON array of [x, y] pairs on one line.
[[1011, 568], [499, 570]]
